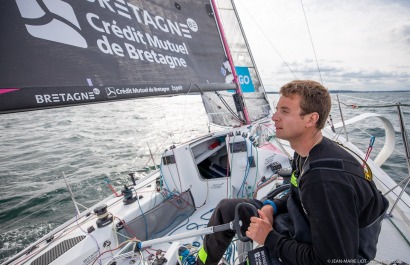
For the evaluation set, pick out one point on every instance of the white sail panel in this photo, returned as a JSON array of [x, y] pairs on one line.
[[220, 106], [240, 52], [221, 110]]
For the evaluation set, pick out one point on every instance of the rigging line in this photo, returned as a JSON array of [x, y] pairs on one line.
[[247, 169], [227, 173], [155, 152], [231, 164], [377, 139], [373, 106], [35, 251], [269, 129], [383, 106], [111, 250], [202, 97], [375, 176], [142, 214], [200, 90], [270, 42], [47, 206], [179, 176], [335, 100], [311, 41], [256, 174], [32, 251], [228, 107], [163, 176], [35, 212], [397, 185], [235, 116], [167, 124], [400, 232], [369, 99], [185, 108], [95, 240], [393, 192]]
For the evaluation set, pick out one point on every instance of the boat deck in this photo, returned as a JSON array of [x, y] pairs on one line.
[[394, 245]]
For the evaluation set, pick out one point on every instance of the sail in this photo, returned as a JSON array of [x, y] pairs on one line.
[[221, 110], [56, 53], [221, 107]]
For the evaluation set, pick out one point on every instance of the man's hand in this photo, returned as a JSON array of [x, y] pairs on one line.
[[259, 228], [268, 211]]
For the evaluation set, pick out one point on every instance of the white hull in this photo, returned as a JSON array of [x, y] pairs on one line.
[[196, 168]]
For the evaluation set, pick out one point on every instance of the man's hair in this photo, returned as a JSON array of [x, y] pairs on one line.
[[314, 98]]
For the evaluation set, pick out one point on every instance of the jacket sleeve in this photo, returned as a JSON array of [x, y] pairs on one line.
[[332, 213], [281, 204]]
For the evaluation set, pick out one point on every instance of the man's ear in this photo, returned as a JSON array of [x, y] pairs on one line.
[[312, 119]]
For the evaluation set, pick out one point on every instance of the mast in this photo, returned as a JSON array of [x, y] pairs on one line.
[[239, 103]]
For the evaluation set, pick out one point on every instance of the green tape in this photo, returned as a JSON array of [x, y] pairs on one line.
[[294, 180]]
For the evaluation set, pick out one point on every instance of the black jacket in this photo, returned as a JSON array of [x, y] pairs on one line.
[[336, 205]]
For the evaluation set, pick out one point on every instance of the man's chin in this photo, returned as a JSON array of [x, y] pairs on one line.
[[279, 135]]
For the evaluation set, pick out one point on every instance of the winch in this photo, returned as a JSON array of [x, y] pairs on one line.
[[104, 217], [128, 198]]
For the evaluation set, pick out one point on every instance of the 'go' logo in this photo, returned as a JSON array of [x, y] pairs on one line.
[[244, 79]]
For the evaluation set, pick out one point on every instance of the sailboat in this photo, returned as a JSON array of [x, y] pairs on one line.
[[71, 53]]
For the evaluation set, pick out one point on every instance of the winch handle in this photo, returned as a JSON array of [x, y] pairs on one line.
[[237, 223]]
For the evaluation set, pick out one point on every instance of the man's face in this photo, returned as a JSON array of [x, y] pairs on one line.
[[288, 122]]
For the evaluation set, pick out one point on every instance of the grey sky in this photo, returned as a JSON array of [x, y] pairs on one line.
[[360, 44]]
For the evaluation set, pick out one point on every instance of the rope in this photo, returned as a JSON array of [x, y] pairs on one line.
[[229, 151], [247, 168], [401, 233], [311, 41], [398, 184], [176, 166], [142, 214], [391, 189], [257, 168], [229, 108], [382, 106], [160, 145], [392, 104]]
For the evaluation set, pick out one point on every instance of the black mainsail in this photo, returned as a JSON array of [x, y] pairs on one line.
[[62, 53], [57, 53]]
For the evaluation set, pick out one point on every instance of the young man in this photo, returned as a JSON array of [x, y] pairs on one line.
[[333, 213]]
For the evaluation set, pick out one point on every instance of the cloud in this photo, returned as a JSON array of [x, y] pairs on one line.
[[357, 43], [401, 34], [340, 78]]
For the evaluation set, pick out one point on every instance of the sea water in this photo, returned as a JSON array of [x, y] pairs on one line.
[[94, 143]]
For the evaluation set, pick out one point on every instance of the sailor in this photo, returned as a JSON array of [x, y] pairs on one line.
[[333, 212]]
